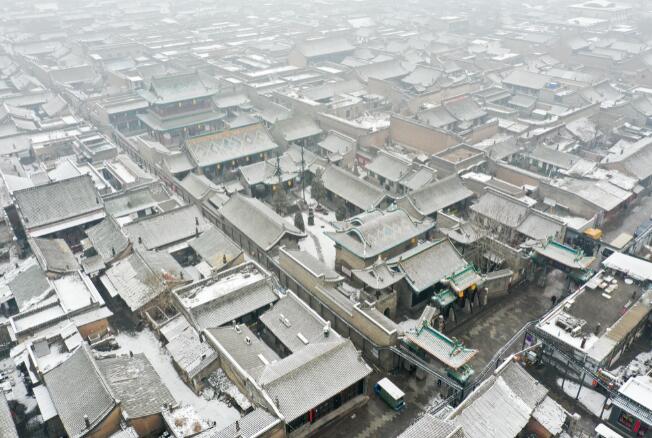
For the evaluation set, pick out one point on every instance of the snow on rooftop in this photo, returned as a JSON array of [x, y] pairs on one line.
[[194, 407], [550, 326], [222, 287], [374, 121], [73, 292]]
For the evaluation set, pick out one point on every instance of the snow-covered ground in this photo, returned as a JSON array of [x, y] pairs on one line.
[[316, 236], [591, 399], [222, 386], [14, 388], [145, 342], [185, 421], [317, 243]]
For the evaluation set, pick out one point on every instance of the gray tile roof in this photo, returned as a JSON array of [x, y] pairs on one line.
[[437, 117], [387, 69], [349, 187], [198, 186], [7, 426], [639, 163], [498, 149], [370, 234], [142, 276], [563, 254], [234, 303], [551, 415], [133, 200], [296, 128], [291, 321], [247, 354], [257, 221], [560, 159], [160, 230], [430, 426], [440, 346], [250, 426], [418, 178], [324, 46], [429, 263], [502, 406], [77, 389], [265, 172], [378, 276], [152, 120], [175, 87], [108, 239], [213, 246], [540, 226], [526, 79], [523, 101], [313, 264], [602, 193], [526, 387], [464, 109], [388, 166], [230, 145], [337, 143], [189, 353], [54, 255], [503, 209], [58, 201], [422, 77], [224, 101], [439, 195], [321, 370], [129, 432], [178, 162], [498, 413], [28, 285], [330, 89], [136, 384]]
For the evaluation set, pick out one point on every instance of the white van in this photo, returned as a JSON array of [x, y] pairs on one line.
[[602, 431]]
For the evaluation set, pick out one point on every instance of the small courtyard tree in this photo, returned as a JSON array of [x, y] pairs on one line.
[[280, 201], [298, 221], [317, 189]]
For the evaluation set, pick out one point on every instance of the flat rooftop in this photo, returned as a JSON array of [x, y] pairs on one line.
[[592, 311]]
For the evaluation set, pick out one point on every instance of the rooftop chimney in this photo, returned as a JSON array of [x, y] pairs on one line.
[[87, 422]]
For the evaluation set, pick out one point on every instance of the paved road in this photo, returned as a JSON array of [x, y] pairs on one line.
[[500, 321], [488, 331], [630, 219], [377, 419]]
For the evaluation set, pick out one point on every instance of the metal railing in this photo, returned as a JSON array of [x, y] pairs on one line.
[[499, 356], [425, 366], [436, 408]]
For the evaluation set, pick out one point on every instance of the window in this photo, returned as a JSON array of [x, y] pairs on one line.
[[626, 420]]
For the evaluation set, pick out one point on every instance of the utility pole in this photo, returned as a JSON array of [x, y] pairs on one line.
[[278, 170], [303, 176]]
